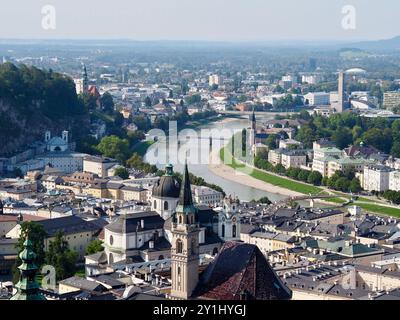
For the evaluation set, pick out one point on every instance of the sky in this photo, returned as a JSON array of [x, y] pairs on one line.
[[205, 20]]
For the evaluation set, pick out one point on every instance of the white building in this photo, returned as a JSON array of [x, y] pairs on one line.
[[311, 78], [56, 144], [214, 80], [98, 165], [293, 159], [317, 98], [207, 196], [394, 180], [391, 99], [376, 178], [327, 152]]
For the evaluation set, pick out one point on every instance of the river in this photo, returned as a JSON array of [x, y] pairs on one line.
[[157, 154]]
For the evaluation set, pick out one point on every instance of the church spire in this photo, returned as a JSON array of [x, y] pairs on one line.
[[85, 79], [185, 205], [185, 231], [27, 287]]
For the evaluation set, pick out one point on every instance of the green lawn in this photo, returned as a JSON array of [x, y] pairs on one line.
[[272, 179], [374, 208]]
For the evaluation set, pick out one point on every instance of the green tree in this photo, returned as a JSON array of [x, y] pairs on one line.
[[147, 102], [293, 173], [342, 184], [280, 169], [303, 175], [395, 151], [114, 147], [271, 141], [193, 99], [264, 200], [122, 173], [94, 247], [107, 102], [342, 137], [315, 178], [355, 186], [61, 257]]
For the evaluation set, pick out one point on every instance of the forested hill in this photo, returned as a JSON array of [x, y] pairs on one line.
[[33, 101]]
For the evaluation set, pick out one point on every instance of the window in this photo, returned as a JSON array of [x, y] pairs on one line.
[[111, 240], [193, 246], [111, 259], [180, 219], [165, 205], [223, 231], [234, 231], [155, 204], [179, 246]]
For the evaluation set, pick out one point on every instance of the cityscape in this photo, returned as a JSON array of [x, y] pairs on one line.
[[200, 169]]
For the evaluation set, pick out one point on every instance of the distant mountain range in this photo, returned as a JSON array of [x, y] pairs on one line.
[[392, 44]]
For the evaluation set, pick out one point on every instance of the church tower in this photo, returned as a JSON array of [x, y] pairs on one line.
[[228, 220], [85, 80], [185, 244], [252, 130], [27, 287]]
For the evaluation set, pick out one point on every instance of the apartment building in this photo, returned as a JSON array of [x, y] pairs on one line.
[[376, 178], [327, 152], [293, 158]]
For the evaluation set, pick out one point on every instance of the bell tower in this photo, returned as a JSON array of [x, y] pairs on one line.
[[228, 220], [185, 244], [252, 130], [85, 80]]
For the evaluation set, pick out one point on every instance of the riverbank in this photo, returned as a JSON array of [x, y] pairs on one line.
[[217, 167], [272, 183]]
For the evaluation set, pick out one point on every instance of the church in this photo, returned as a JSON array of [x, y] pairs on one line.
[[56, 144], [147, 236], [239, 271]]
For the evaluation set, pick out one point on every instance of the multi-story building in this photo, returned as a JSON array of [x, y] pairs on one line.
[[207, 196], [214, 80], [290, 144], [345, 164], [275, 156], [327, 152], [321, 165], [394, 180], [98, 165], [317, 98], [268, 241], [391, 99], [311, 78], [376, 178], [293, 158]]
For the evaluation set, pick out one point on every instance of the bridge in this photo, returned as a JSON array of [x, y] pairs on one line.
[[282, 203]]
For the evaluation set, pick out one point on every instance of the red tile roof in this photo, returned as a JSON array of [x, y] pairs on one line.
[[240, 271]]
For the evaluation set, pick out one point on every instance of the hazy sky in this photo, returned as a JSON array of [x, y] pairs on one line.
[[232, 20]]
